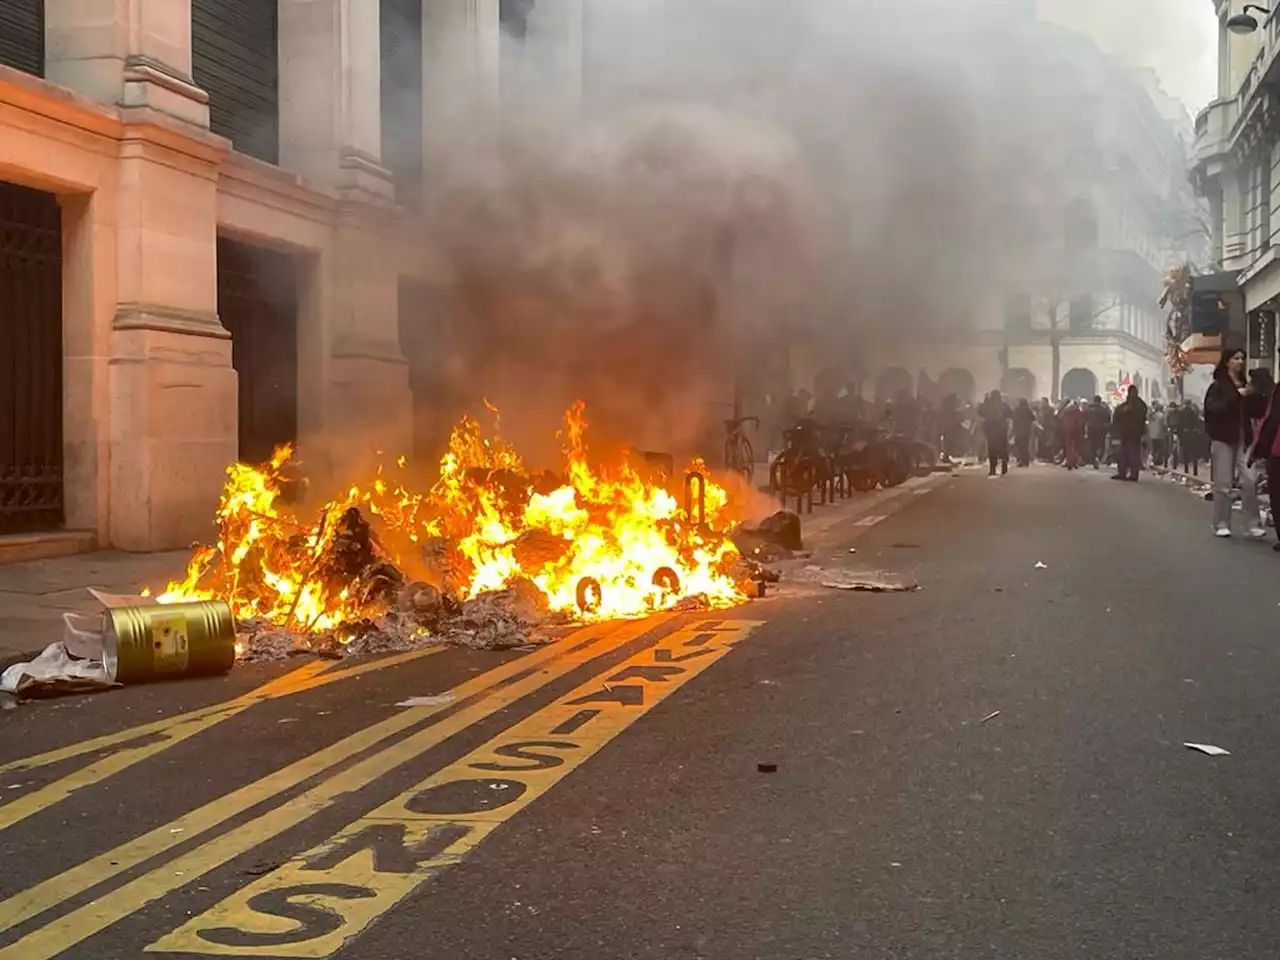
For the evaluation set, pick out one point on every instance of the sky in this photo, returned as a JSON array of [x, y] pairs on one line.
[[1176, 38]]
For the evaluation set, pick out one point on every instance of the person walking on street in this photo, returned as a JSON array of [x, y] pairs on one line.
[[1024, 421], [1073, 433], [1266, 448], [1097, 423], [995, 414], [1230, 405], [1129, 423], [1158, 431]]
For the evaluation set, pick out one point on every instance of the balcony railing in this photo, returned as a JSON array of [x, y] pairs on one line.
[[1265, 61], [1213, 129]]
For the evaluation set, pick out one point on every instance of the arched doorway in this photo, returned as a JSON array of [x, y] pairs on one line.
[[959, 381], [892, 381], [1079, 384], [1019, 383]]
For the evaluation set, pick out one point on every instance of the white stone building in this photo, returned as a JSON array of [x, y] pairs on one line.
[[207, 243], [1236, 155], [1129, 215]]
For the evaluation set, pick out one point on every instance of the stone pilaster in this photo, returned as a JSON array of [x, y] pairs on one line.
[[330, 106], [171, 388], [557, 28], [135, 53], [461, 62]]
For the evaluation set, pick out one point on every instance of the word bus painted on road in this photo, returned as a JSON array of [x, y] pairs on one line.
[[313, 904]]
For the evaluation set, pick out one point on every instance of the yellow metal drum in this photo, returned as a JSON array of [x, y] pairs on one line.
[[168, 640]]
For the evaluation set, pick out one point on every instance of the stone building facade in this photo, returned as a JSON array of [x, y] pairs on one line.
[[1236, 167], [209, 241], [1128, 214]]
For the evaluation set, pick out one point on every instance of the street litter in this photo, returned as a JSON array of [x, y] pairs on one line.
[[850, 581], [1208, 748], [767, 767], [132, 640], [435, 701], [1041, 566], [990, 716]]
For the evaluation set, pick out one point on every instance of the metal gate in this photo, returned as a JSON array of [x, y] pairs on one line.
[[258, 304], [31, 495]]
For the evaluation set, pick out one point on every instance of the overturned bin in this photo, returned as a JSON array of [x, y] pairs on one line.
[[155, 641]]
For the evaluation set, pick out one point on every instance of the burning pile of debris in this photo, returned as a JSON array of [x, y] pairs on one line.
[[493, 555]]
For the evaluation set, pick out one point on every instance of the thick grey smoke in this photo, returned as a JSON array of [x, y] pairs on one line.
[[1176, 38], [745, 176]]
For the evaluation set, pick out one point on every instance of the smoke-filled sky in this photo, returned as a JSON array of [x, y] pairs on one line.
[[748, 175], [1176, 38]]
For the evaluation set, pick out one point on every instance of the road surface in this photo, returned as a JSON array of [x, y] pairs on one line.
[[991, 767]]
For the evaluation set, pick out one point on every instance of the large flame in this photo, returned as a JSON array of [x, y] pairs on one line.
[[607, 536]]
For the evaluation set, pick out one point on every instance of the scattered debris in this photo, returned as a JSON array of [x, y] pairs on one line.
[[767, 767], [78, 663], [867, 585], [435, 701], [1208, 748], [990, 716], [783, 529], [842, 578], [853, 550], [1041, 566]]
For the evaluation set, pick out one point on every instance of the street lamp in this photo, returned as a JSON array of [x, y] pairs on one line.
[[1244, 22]]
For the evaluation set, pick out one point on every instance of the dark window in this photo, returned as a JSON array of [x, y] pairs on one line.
[[258, 304], [513, 15], [1081, 313], [1081, 227], [1017, 312], [22, 35], [401, 32], [234, 59]]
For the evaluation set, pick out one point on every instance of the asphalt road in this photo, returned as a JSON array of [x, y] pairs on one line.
[[529, 818]]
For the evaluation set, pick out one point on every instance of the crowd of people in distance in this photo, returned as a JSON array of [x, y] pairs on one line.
[[1236, 433]]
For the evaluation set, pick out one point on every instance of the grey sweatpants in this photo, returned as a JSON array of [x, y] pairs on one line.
[[1230, 462]]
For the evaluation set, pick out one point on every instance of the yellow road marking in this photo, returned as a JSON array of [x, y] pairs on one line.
[[319, 900], [170, 732], [496, 689]]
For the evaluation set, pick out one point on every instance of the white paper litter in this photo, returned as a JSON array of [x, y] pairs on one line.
[[82, 661], [435, 701], [1041, 566], [1208, 748]]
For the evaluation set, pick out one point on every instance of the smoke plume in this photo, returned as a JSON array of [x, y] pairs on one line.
[[744, 178]]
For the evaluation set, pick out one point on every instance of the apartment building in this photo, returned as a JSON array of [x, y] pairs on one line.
[[1235, 160], [1128, 214]]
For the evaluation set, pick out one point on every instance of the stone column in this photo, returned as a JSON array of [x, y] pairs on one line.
[[461, 57], [557, 27], [135, 53], [171, 390], [330, 103], [354, 396]]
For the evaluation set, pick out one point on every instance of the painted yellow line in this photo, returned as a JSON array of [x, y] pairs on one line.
[[493, 691], [169, 733], [316, 902]]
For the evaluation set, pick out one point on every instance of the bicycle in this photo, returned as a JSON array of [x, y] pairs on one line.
[[739, 457]]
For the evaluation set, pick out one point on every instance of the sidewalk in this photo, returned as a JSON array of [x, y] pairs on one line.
[[33, 596]]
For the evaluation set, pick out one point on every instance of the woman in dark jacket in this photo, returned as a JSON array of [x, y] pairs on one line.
[[1230, 407], [1267, 449]]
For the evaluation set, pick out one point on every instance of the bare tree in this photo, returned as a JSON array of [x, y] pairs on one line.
[[1054, 302]]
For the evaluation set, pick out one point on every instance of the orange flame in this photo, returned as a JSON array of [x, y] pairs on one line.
[[610, 531]]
